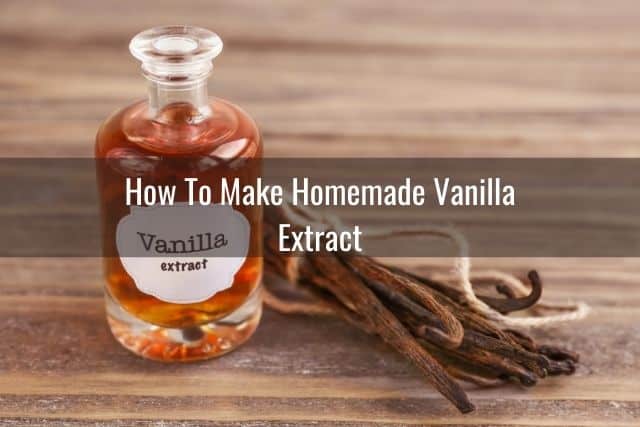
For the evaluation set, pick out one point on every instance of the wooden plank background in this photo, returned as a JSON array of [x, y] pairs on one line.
[[339, 78]]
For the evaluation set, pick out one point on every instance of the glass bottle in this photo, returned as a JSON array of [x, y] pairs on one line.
[[172, 293]]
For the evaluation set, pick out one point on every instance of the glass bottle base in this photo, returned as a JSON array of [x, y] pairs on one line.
[[184, 345]]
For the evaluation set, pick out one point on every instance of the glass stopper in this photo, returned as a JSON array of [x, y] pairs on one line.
[[176, 53]]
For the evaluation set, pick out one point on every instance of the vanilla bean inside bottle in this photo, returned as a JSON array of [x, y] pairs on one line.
[[182, 281]]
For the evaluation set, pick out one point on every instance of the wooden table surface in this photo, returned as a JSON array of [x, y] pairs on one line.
[[356, 78]]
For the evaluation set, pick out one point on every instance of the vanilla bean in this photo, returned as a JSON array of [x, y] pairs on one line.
[[503, 367], [535, 362], [524, 340], [349, 288], [551, 352], [450, 297], [473, 377], [507, 366], [469, 372], [430, 325], [510, 304], [561, 367], [557, 353], [452, 330], [444, 289]]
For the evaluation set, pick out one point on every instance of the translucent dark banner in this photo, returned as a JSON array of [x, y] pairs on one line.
[[503, 207]]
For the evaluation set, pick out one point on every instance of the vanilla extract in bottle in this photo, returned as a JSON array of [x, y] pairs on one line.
[[182, 281]]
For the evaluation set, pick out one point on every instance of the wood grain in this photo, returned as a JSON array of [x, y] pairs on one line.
[[340, 78]]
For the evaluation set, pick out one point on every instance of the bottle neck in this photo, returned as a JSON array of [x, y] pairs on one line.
[[193, 94]]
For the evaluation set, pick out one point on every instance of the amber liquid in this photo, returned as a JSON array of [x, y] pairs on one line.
[[177, 142]]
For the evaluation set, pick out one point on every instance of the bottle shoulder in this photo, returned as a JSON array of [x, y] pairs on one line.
[[228, 131]]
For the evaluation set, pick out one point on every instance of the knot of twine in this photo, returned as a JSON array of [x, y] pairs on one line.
[[461, 276]]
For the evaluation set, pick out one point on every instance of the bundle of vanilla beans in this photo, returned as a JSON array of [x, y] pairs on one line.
[[424, 320]]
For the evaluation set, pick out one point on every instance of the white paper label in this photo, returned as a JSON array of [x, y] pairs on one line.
[[183, 254]]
